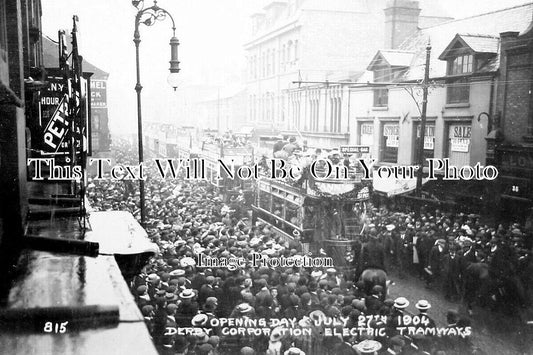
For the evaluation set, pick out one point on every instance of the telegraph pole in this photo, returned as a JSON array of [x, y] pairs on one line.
[[425, 87]]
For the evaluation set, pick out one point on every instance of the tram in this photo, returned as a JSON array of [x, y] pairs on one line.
[[323, 214], [233, 157]]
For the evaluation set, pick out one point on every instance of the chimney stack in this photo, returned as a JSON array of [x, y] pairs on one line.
[[401, 21]]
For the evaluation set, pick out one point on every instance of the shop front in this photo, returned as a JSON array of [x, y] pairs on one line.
[[515, 165], [390, 142]]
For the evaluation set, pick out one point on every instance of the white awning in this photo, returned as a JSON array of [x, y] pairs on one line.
[[392, 186], [118, 232]]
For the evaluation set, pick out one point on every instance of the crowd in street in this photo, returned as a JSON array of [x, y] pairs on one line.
[[188, 218], [457, 254], [228, 139]]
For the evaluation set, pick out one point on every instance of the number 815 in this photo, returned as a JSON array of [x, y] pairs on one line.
[[50, 327]]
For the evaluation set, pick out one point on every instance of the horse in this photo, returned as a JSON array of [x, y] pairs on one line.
[[507, 293], [476, 283], [372, 277]]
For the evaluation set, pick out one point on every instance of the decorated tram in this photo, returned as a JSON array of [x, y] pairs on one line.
[[321, 213]]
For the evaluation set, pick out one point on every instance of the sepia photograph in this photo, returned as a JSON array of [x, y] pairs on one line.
[[266, 177]]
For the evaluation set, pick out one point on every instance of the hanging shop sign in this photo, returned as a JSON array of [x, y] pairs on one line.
[[48, 136], [51, 135], [56, 130]]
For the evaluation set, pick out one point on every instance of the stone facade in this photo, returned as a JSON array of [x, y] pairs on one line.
[[313, 42]]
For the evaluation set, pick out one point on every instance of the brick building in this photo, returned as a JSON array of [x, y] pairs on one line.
[[313, 40], [511, 140], [44, 279], [21, 60], [99, 115]]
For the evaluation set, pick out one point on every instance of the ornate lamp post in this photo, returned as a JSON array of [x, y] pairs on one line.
[[149, 16]]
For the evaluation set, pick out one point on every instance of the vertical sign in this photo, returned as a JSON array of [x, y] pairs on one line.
[[429, 136], [98, 93], [52, 135], [48, 137], [367, 134], [391, 132], [460, 138]]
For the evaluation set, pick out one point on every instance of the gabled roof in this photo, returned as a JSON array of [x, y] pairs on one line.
[[394, 58], [516, 18], [482, 43], [475, 42]]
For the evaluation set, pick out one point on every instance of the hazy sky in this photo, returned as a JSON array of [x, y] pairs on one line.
[[211, 33]]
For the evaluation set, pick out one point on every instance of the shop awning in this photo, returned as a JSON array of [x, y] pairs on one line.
[[118, 232]]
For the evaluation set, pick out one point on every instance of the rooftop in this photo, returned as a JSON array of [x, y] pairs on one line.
[[51, 60], [516, 18], [393, 57]]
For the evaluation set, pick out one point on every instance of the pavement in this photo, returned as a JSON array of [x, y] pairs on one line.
[[494, 332]]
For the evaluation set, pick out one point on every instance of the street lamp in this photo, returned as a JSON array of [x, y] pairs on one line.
[[174, 69], [149, 16]]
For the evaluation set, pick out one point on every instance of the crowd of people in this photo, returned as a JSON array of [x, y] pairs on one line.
[[455, 252], [188, 219], [228, 139]]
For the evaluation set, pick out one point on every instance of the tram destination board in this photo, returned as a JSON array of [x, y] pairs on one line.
[[354, 149]]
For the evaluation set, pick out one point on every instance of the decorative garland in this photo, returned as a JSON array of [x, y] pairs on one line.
[[306, 176]]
